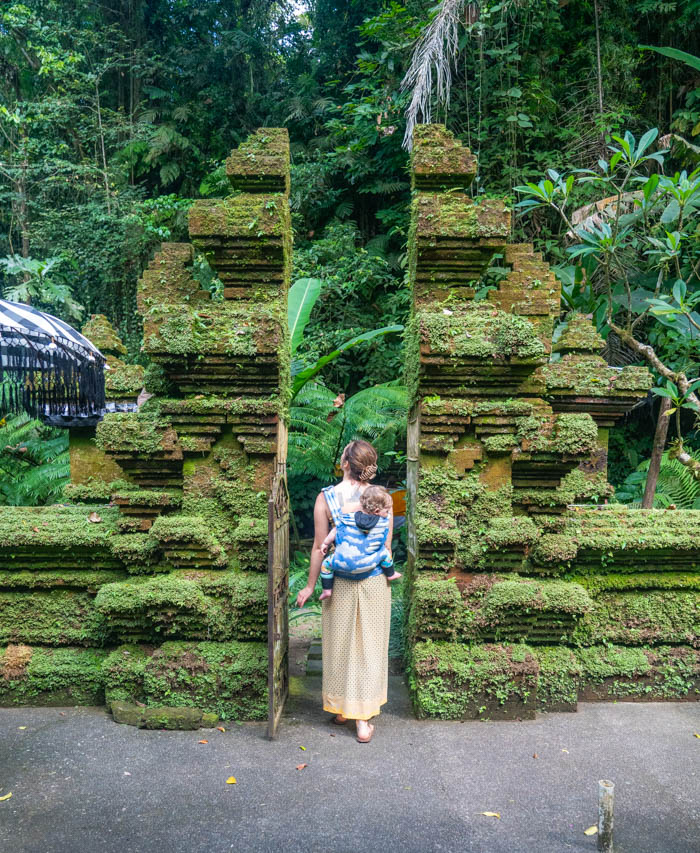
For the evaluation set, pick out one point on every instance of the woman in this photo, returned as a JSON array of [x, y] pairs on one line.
[[357, 617]]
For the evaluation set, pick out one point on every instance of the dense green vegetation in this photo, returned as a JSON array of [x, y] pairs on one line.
[[113, 117]]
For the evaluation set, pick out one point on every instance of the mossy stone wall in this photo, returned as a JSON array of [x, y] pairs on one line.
[[149, 590], [520, 598]]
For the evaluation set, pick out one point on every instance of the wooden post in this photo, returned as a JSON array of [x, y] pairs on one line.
[[606, 797]]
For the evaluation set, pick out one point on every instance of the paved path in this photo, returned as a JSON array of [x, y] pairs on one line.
[[82, 784]]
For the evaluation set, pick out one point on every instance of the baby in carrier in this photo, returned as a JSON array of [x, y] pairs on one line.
[[360, 542]]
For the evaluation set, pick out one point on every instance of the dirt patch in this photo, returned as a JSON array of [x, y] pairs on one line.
[[17, 658]]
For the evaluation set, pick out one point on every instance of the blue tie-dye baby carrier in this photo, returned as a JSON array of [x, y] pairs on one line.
[[357, 554]]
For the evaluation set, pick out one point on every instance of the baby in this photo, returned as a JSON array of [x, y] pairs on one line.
[[376, 505]]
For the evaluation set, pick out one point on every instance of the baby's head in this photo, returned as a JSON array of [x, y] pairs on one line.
[[375, 500]]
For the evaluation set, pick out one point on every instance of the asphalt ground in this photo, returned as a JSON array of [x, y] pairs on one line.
[[82, 784]]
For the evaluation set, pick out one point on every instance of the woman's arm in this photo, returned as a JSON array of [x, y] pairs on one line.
[[321, 528]]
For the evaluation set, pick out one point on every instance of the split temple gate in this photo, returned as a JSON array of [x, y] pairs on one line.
[[160, 588], [520, 600]]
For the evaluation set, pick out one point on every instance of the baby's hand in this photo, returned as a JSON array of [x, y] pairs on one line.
[[324, 548]]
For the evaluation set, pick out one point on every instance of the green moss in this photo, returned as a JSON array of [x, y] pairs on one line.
[[138, 551], [575, 434], [566, 434], [147, 497], [57, 527], [559, 674], [171, 531], [580, 335], [436, 611], [85, 579], [99, 331], [554, 550], [545, 611], [477, 331], [616, 528], [590, 376], [601, 662], [93, 490], [123, 381], [218, 328], [502, 443], [56, 617], [229, 679], [454, 681], [131, 432], [186, 604], [55, 677], [455, 511], [639, 618], [123, 671], [511, 531], [639, 580], [251, 541], [454, 215]]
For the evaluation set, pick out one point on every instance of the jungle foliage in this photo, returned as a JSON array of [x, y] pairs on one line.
[[113, 117]]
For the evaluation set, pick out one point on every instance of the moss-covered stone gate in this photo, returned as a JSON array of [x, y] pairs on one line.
[[520, 600], [148, 589]]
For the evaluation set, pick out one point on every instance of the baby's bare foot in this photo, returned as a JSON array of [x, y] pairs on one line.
[[395, 576], [325, 594]]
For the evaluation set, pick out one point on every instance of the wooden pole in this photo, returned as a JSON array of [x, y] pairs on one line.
[[606, 797]]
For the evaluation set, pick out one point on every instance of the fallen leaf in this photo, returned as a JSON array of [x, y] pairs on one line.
[[491, 814], [94, 517], [592, 830], [231, 780], [22, 728], [6, 797], [332, 734], [534, 755], [62, 713], [301, 766], [203, 741], [35, 529], [566, 751], [302, 748], [339, 401], [696, 734], [220, 729], [126, 773]]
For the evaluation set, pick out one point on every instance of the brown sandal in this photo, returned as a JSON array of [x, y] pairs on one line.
[[339, 720], [369, 737]]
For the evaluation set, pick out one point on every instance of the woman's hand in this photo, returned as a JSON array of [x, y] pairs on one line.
[[304, 595]]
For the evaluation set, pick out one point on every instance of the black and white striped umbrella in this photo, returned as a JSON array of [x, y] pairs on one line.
[[46, 367]]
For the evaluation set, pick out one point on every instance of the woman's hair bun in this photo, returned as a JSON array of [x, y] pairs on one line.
[[368, 472]]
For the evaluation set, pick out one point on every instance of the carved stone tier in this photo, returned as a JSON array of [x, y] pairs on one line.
[[530, 290]]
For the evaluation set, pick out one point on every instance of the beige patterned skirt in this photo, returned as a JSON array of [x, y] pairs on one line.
[[355, 640]]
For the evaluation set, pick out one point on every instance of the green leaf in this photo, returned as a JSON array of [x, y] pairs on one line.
[[663, 392], [674, 53], [302, 378], [302, 298], [646, 141], [679, 290]]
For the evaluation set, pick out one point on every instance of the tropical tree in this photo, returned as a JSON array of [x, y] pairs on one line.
[[641, 253]]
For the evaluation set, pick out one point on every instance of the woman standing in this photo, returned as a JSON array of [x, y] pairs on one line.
[[357, 617]]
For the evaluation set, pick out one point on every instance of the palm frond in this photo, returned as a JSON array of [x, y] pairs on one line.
[[432, 56]]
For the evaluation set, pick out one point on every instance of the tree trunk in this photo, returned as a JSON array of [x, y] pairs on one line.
[[599, 68], [657, 450]]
